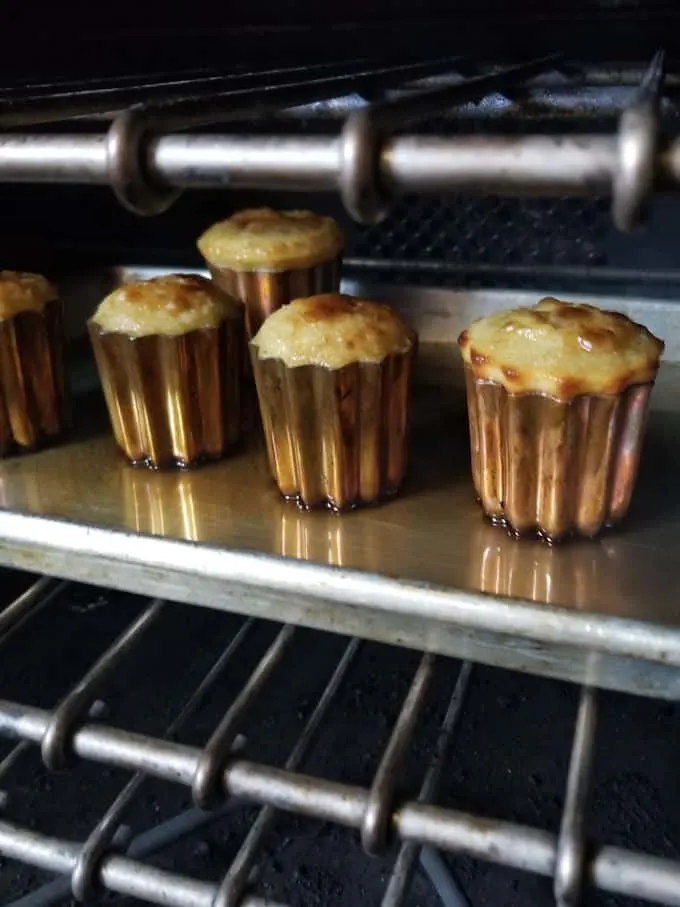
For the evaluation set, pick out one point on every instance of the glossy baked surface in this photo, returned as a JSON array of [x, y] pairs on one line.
[[268, 239], [332, 330], [561, 349], [23, 292], [170, 305]]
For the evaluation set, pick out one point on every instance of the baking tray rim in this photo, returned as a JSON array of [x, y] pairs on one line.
[[278, 575]]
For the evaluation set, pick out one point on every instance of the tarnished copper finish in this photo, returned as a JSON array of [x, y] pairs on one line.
[[34, 397], [552, 467], [336, 437], [263, 292], [173, 400]]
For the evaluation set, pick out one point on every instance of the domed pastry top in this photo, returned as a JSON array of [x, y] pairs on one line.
[[170, 305], [332, 330], [561, 349], [264, 239], [23, 292]]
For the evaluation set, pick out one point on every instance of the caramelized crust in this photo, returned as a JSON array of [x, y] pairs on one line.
[[332, 330], [561, 349], [170, 305], [264, 239], [21, 292]]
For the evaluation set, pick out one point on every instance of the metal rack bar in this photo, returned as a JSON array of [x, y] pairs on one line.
[[362, 188], [404, 867], [638, 137], [54, 744], [366, 163], [206, 781], [365, 192], [375, 825], [220, 98], [26, 605], [571, 843], [580, 165], [101, 837], [416, 823], [236, 879], [119, 874]]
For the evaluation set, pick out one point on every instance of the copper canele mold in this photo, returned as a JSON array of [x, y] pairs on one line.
[[263, 292], [34, 396], [173, 400], [336, 437], [552, 467]]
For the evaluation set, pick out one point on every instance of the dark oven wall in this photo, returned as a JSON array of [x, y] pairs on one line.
[[74, 37]]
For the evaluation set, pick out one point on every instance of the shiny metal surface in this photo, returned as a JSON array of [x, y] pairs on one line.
[[375, 827], [551, 467], [366, 162], [551, 165], [173, 400], [34, 392], [364, 191], [262, 292], [206, 782], [638, 139], [336, 437], [424, 570], [127, 175], [571, 856]]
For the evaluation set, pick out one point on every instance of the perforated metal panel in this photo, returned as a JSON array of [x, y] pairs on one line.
[[489, 230]]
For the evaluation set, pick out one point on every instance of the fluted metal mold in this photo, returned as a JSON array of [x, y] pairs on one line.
[[263, 292], [173, 400], [34, 394], [552, 467], [336, 437]]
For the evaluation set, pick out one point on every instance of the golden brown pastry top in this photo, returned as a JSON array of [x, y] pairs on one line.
[[561, 349], [332, 330], [23, 292], [171, 305], [264, 239]]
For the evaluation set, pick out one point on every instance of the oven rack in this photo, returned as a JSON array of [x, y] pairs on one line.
[[219, 771], [147, 159]]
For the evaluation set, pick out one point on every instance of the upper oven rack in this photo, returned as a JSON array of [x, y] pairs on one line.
[[148, 155]]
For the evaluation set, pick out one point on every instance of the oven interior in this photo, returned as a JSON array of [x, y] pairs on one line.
[[349, 764]]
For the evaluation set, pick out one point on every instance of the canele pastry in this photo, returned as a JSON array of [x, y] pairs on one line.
[[33, 390], [170, 358], [557, 402], [266, 258], [333, 376]]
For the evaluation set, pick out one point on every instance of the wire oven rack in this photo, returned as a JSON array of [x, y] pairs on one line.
[[147, 156], [219, 773]]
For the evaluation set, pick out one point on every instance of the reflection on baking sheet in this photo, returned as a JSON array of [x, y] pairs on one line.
[[156, 506], [326, 537], [577, 571]]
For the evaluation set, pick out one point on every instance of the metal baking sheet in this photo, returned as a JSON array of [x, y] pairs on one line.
[[425, 570]]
